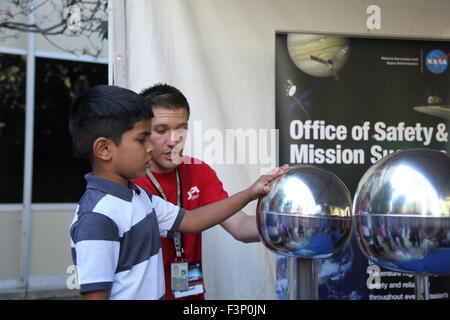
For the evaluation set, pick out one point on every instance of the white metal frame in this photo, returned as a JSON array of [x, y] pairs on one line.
[[53, 55], [118, 60], [28, 161], [47, 207]]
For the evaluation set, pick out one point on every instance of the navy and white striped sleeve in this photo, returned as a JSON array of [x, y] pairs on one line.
[[169, 215], [95, 251]]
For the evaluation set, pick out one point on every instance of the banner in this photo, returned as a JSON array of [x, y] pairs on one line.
[[343, 103]]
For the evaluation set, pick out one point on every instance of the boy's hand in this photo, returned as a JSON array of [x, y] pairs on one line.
[[205, 217], [260, 187]]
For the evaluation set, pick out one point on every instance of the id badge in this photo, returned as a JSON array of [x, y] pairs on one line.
[[196, 285], [179, 276]]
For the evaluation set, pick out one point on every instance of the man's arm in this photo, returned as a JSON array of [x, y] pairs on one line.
[[95, 295], [242, 227]]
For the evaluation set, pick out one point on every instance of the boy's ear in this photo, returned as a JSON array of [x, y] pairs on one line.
[[102, 148]]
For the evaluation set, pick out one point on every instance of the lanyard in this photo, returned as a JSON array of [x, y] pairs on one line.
[[177, 240]]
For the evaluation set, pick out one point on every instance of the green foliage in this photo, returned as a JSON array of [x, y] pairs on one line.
[[103, 30]]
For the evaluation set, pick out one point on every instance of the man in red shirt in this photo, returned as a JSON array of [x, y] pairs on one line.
[[190, 184]]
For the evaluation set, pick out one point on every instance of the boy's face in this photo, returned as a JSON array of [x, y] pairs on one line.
[[133, 155], [169, 129]]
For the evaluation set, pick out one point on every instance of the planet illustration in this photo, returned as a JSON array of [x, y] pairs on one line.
[[337, 278], [318, 55]]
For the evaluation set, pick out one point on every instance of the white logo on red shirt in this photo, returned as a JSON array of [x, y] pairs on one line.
[[193, 193]]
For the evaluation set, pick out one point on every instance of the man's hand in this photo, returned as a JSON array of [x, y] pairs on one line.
[[260, 187]]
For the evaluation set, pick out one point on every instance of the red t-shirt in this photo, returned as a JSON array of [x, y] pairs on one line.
[[199, 186]]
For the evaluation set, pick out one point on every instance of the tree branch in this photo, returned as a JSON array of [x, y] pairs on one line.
[[53, 18]]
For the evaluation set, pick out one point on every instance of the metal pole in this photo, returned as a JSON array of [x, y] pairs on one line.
[[292, 278], [422, 286], [119, 44], [303, 279], [110, 43], [28, 161]]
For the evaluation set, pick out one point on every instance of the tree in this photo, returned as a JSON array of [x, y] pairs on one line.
[[72, 18]]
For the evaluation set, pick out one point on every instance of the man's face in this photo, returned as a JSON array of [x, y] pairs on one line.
[[169, 128], [133, 155]]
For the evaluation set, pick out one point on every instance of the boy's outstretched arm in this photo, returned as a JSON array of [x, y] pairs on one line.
[[202, 218], [95, 295]]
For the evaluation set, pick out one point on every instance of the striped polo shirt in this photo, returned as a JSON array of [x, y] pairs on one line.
[[115, 239]]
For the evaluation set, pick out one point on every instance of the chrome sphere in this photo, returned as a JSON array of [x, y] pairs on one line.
[[307, 214], [401, 212]]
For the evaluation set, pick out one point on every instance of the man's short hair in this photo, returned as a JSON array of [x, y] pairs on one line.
[[105, 111], [166, 96]]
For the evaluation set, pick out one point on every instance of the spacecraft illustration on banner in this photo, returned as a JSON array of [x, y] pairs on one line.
[[435, 108], [291, 90], [318, 55]]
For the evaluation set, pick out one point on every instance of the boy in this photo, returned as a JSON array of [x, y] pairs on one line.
[[116, 228]]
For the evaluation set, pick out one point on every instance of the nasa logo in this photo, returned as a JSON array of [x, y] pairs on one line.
[[436, 61]]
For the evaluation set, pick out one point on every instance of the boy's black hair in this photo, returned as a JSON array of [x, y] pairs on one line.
[[105, 111], [167, 96]]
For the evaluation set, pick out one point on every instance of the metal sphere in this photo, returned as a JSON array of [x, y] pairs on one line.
[[307, 214], [401, 212]]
